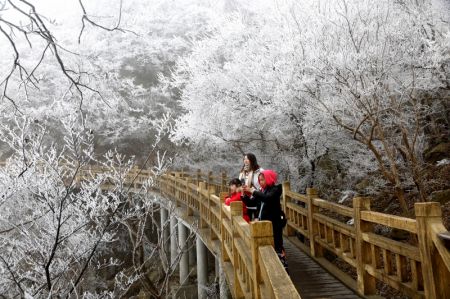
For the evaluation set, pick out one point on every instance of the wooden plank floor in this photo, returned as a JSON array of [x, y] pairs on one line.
[[310, 279]]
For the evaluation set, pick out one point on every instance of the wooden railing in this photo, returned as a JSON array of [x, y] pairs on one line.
[[135, 178], [250, 263], [419, 268]]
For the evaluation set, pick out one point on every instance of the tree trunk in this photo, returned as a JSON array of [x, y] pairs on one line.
[[400, 194]]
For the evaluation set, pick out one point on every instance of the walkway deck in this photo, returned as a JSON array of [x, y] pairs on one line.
[[310, 279]]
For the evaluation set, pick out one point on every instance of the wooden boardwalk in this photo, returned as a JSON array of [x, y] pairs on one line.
[[410, 269], [310, 279]]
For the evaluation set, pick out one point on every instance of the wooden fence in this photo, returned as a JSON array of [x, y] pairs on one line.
[[249, 260], [419, 268]]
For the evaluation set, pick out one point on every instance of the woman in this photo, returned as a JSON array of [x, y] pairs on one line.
[[268, 197], [249, 177], [250, 171]]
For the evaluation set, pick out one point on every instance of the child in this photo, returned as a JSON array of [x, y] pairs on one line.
[[235, 195]]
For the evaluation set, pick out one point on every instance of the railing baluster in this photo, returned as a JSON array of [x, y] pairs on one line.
[[289, 231], [236, 210], [316, 249]]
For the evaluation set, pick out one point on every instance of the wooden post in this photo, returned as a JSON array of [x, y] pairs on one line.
[[224, 182], [211, 191], [365, 281], [436, 276], [222, 196], [289, 231], [189, 210], [316, 249], [209, 179], [236, 210], [199, 176], [181, 184], [225, 257], [261, 234], [286, 187], [177, 192], [201, 187]]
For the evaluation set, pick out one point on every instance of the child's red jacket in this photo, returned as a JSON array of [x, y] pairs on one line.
[[236, 196]]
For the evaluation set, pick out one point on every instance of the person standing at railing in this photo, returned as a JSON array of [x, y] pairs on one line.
[[249, 177], [268, 198], [235, 195]]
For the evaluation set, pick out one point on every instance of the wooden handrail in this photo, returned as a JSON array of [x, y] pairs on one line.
[[444, 252], [420, 269], [393, 221], [252, 273], [269, 261], [334, 207]]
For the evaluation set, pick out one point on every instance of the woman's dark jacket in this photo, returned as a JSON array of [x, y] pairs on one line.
[[268, 201]]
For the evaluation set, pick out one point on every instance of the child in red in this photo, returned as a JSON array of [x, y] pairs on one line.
[[235, 195]]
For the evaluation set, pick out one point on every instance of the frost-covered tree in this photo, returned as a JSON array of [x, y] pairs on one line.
[[238, 91], [359, 80], [377, 68], [79, 78], [117, 57], [23, 26], [62, 219]]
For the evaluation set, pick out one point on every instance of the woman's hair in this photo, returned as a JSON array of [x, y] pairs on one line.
[[236, 182], [253, 162]]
